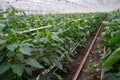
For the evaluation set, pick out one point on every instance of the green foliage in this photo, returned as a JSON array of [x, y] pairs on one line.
[[21, 54], [58, 64], [58, 77], [33, 63], [112, 76], [18, 69], [111, 58]]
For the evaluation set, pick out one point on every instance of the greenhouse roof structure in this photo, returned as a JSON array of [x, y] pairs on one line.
[[61, 6]]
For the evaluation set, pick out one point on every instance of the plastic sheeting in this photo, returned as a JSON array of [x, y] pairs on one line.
[[61, 6]]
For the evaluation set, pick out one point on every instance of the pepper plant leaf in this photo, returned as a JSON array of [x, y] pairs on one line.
[[33, 63], [113, 58], [18, 69]]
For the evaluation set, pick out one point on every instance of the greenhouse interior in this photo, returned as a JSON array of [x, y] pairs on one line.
[[59, 39]]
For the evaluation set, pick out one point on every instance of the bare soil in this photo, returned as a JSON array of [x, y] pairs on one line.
[[91, 70], [74, 65]]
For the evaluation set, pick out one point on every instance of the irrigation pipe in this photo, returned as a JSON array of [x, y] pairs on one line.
[[102, 72], [85, 58], [53, 68], [26, 31]]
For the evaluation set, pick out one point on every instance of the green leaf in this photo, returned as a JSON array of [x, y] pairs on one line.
[[58, 64], [107, 68], [10, 54], [4, 67], [18, 69], [43, 77], [117, 20], [56, 38], [28, 44], [111, 76], [114, 40], [33, 63], [58, 76], [48, 32], [106, 55], [29, 71], [20, 56], [26, 50], [45, 59], [45, 39], [2, 26], [59, 52], [105, 22], [2, 55], [68, 58], [12, 47], [113, 58], [40, 50], [37, 38], [2, 41], [54, 44]]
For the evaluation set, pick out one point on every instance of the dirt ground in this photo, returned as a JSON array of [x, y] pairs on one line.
[[74, 65], [91, 70]]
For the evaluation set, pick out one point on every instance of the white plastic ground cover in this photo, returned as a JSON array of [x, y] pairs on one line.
[[61, 6]]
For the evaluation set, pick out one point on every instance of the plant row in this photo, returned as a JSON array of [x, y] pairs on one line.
[[111, 58], [24, 56]]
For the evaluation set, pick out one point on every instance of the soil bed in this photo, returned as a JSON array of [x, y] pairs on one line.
[[81, 53], [91, 70], [74, 65]]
